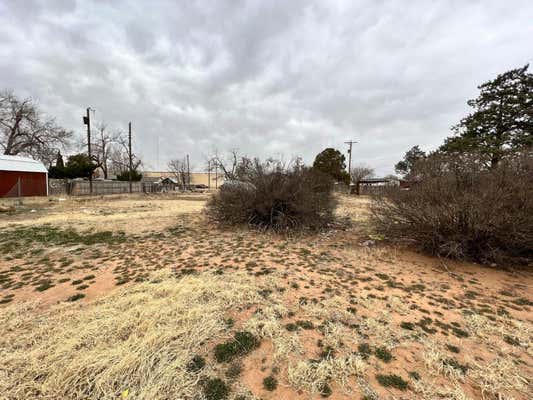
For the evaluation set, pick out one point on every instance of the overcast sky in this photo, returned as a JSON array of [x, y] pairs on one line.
[[267, 77]]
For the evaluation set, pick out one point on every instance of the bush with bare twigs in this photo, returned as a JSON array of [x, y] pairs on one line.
[[274, 195], [459, 209]]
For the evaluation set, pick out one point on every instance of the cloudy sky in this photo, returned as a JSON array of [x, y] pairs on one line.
[[270, 78]]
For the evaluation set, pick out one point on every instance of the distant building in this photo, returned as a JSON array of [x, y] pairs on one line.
[[21, 176], [197, 178]]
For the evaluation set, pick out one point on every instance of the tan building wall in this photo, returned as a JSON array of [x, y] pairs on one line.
[[197, 178]]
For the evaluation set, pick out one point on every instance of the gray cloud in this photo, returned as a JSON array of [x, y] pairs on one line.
[[267, 77]]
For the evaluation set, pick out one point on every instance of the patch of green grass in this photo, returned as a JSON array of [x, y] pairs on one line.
[[270, 383], [407, 325], [242, 344], [452, 348], [452, 362], [327, 352], [51, 235], [414, 375], [196, 364], [383, 354], [325, 390], [305, 324], [511, 340], [364, 350], [76, 297], [392, 380], [44, 285], [291, 327], [460, 332], [522, 301], [215, 389]]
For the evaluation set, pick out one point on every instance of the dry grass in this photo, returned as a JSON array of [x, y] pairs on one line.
[[132, 214], [313, 376], [139, 340], [499, 378], [326, 308]]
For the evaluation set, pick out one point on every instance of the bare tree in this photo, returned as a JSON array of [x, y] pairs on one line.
[[118, 156], [106, 142], [228, 163], [360, 172], [25, 130], [180, 171]]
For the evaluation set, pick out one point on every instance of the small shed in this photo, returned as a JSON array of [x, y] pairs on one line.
[[22, 176]]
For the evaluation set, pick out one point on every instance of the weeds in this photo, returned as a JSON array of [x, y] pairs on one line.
[[242, 344], [394, 381], [270, 383], [215, 389]]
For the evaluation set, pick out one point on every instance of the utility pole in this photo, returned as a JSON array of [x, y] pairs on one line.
[[209, 174], [350, 143], [188, 174], [130, 155], [87, 121]]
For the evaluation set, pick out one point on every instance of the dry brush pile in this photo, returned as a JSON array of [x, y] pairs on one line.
[[455, 208], [273, 195]]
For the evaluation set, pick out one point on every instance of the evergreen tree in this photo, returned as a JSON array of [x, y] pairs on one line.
[[410, 158], [331, 162], [502, 120], [59, 160]]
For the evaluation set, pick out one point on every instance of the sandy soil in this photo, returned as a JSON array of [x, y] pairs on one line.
[[448, 327]]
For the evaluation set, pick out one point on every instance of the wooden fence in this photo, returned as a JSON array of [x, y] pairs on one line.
[[82, 187]]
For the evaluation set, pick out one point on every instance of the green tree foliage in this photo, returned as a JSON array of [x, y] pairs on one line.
[[77, 166], [59, 160], [125, 176], [332, 163], [502, 120], [413, 155]]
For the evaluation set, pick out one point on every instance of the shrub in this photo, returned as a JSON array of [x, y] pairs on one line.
[[457, 208], [383, 354], [270, 383], [394, 381], [215, 389], [242, 344], [273, 195], [196, 364], [76, 297]]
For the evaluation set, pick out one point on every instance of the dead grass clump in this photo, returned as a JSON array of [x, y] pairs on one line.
[[140, 339], [499, 379], [313, 375], [514, 333], [333, 309], [438, 362], [266, 323], [428, 390]]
